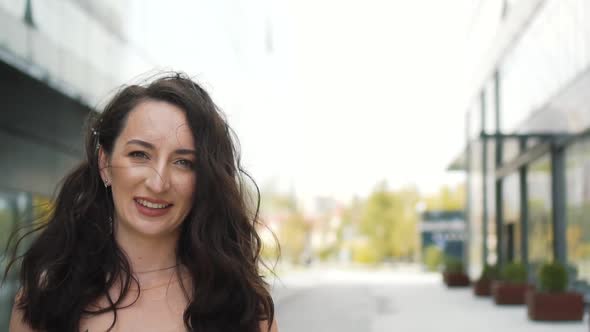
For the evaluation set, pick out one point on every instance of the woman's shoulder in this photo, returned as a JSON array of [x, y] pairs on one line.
[[17, 322], [265, 328]]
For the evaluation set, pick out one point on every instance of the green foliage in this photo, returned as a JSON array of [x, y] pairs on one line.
[[514, 273], [453, 265], [578, 232], [447, 199], [326, 253], [553, 277], [433, 257], [364, 253], [389, 221], [490, 272], [293, 237], [270, 252], [540, 229]]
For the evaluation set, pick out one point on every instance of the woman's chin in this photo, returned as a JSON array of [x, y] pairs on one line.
[[149, 227]]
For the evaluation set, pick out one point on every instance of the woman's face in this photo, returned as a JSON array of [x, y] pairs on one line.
[[151, 170]]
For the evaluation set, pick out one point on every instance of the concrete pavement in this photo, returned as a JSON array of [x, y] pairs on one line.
[[342, 300]]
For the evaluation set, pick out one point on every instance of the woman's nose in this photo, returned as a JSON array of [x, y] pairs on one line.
[[158, 180]]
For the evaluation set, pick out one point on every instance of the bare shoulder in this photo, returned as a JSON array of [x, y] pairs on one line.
[[264, 326], [17, 324]]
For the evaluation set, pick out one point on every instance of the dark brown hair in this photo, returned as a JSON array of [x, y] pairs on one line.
[[75, 259]]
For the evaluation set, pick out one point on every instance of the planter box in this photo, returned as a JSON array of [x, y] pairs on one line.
[[555, 306], [482, 287], [456, 279], [508, 293]]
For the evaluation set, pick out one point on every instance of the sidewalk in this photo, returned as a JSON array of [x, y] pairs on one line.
[[409, 300], [434, 307]]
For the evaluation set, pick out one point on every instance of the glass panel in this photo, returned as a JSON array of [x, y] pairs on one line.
[[491, 202], [511, 209], [540, 230], [578, 208], [7, 224], [490, 116], [474, 118], [15, 211], [510, 149], [551, 53], [475, 217]]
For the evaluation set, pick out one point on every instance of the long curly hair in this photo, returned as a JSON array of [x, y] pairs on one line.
[[75, 259]]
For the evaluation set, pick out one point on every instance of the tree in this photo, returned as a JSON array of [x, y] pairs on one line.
[[293, 236], [287, 223], [447, 199], [389, 222]]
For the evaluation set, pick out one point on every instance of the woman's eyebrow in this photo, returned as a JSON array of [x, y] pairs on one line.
[[185, 151], [150, 146], [145, 144]]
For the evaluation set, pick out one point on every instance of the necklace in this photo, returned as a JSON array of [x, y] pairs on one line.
[[155, 270], [169, 282]]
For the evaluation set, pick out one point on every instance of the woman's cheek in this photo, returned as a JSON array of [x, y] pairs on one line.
[[185, 184]]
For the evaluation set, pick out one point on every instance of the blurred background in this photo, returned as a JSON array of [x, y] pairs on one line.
[[387, 138]]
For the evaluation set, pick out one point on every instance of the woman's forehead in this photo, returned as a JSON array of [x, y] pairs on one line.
[[159, 122]]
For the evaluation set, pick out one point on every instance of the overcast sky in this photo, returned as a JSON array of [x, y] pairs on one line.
[[353, 92]]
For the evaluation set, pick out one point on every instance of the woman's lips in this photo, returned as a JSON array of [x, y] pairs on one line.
[[151, 212]]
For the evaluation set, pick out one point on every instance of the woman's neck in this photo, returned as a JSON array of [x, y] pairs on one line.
[[147, 254]]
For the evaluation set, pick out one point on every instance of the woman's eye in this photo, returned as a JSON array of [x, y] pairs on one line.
[[138, 155], [185, 163]]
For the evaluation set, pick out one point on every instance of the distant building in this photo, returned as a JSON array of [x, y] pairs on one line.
[[444, 229]]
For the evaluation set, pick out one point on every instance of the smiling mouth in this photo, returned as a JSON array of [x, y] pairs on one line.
[[151, 205]]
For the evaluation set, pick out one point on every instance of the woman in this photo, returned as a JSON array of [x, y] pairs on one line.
[[152, 232]]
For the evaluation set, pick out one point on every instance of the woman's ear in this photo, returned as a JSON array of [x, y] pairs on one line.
[[104, 166]]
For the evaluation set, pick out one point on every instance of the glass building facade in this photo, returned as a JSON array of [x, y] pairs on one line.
[[527, 155]]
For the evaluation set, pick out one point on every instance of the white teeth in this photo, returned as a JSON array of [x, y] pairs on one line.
[[151, 205]]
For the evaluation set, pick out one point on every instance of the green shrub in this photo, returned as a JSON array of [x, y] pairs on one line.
[[454, 265], [553, 277], [327, 252], [490, 272], [433, 258], [514, 273], [364, 253]]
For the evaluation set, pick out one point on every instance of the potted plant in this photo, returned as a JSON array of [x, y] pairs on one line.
[[512, 286], [483, 285], [551, 301], [454, 273]]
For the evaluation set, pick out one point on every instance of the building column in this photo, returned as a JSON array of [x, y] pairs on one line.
[[558, 192], [484, 175], [467, 238], [524, 208], [499, 181]]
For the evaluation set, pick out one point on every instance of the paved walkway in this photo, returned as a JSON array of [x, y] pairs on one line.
[[330, 299]]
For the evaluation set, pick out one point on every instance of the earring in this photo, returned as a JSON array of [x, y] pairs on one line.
[[106, 183], [110, 221]]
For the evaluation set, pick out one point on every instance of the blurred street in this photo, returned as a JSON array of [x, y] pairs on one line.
[[399, 299]]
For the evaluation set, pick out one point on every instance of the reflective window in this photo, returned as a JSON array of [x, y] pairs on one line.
[[474, 118], [540, 229], [13, 208], [16, 210], [490, 116], [491, 202], [550, 54], [511, 211], [475, 217], [578, 208]]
